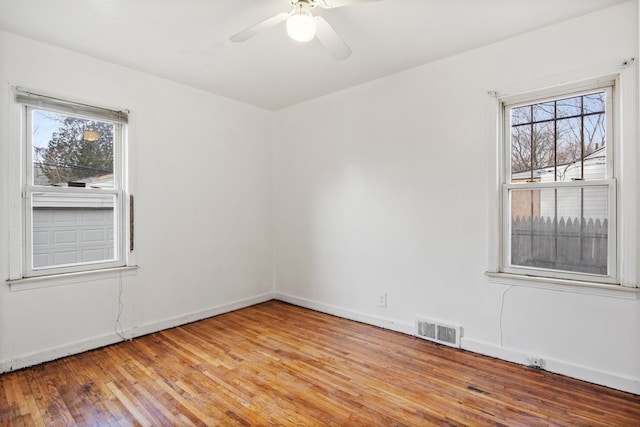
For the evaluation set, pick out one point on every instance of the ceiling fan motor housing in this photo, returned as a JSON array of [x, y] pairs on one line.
[[310, 3]]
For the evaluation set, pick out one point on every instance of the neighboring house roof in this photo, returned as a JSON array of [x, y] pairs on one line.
[[103, 181], [594, 165]]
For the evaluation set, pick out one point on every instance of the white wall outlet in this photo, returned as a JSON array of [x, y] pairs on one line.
[[535, 362], [382, 300]]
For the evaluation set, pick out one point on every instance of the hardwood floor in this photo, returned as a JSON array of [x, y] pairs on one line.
[[277, 364]]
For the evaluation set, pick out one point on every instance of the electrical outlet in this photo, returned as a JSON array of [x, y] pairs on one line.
[[382, 300], [535, 362]]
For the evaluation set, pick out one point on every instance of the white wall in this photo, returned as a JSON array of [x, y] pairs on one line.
[[201, 168], [386, 188]]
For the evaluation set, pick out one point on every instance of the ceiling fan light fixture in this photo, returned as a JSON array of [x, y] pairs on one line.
[[301, 26]]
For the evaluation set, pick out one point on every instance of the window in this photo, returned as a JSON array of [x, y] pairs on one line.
[[73, 186], [559, 185]]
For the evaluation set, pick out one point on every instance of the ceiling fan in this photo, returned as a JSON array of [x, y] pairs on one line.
[[302, 26]]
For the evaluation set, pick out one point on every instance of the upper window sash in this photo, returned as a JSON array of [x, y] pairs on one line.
[[118, 141], [602, 85]]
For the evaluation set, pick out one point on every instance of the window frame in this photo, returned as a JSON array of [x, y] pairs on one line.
[[27, 102], [608, 86]]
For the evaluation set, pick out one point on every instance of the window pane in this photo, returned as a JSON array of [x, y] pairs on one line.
[[521, 115], [71, 151], [569, 107], [569, 149], [70, 229], [544, 145], [595, 164], [594, 133], [594, 103], [560, 229], [520, 153], [545, 111]]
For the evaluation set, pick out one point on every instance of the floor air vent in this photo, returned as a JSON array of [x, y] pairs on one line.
[[438, 332]]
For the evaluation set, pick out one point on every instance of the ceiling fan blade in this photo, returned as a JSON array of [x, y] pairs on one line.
[[331, 40], [260, 26], [330, 4]]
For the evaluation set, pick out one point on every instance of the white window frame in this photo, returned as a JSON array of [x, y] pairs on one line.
[[507, 105], [623, 137], [22, 268]]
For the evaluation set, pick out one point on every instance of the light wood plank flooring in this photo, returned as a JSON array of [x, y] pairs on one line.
[[277, 364]]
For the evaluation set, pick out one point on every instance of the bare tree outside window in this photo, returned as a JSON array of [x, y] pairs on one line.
[[556, 134]]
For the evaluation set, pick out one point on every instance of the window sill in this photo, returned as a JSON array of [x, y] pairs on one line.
[[69, 278], [562, 285]]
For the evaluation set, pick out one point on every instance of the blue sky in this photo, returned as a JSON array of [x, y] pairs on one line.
[[44, 126]]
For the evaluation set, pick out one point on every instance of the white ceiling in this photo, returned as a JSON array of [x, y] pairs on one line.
[[188, 40]]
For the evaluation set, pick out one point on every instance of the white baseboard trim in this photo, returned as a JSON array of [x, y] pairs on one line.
[[35, 358], [69, 349], [379, 321], [151, 327], [595, 376], [607, 379]]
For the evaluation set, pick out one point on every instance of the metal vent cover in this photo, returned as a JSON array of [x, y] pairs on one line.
[[426, 330], [439, 332]]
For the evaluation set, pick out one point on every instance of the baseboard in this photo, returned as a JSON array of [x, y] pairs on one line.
[[379, 321], [69, 349], [31, 359], [607, 379], [151, 327]]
